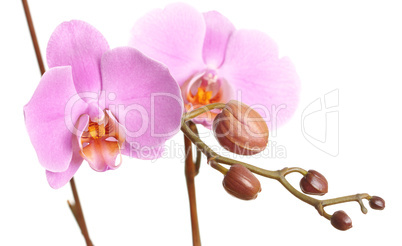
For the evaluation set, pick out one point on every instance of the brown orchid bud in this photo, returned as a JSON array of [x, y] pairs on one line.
[[377, 203], [241, 183], [240, 129], [341, 221], [314, 183]]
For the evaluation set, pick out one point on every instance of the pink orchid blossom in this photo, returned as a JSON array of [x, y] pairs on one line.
[[96, 103], [214, 62]]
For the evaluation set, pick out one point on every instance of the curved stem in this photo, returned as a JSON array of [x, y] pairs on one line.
[[280, 175], [305, 198], [218, 167], [196, 112], [294, 170], [260, 171], [74, 206]]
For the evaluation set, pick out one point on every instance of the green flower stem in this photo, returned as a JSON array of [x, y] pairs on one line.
[[358, 198], [196, 112], [215, 160], [218, 167]]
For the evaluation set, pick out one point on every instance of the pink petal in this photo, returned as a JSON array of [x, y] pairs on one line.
[[219, 29], [47, 118], [58, 180], [261, 79], [173, 36], [80, 45], [205, 121], [142, 95]]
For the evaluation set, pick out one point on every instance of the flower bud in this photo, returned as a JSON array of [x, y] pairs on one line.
[[341, 221], [314, 183], [241, 183], [240, 129], [377, 203]]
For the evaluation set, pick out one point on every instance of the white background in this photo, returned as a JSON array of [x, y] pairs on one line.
[[355, 47]]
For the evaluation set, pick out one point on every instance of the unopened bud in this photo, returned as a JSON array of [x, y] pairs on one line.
[[241, 183], [377, 203], [314, 183], [240, 129], [341, 221]]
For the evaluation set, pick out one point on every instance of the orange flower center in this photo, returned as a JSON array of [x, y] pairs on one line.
[[202, 96], [203, 89], [208, 91], [95, 130]]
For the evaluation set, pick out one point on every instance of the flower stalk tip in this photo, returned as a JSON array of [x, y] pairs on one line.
[[377, 203]]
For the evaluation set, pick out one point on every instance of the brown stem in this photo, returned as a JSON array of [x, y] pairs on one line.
[[33, 36], [190, 172], [197, 163], [74, 206]]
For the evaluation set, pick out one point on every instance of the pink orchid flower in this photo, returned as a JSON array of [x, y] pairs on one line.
[[96, 103], [214, 62]]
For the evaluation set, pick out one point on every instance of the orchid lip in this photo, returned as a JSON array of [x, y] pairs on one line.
[[100, 141]]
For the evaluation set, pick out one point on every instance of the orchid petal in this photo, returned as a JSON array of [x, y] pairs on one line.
[[263, 80], [59, 179], [205, 120], [80, 45], [218, 31], [173, 36], [47, 118], [142, 95]]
